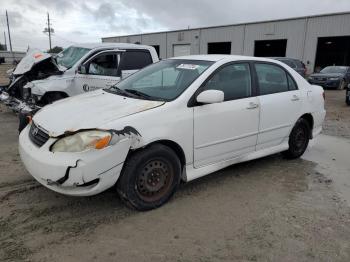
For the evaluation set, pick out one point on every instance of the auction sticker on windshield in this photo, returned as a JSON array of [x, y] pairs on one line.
[[187, 66]]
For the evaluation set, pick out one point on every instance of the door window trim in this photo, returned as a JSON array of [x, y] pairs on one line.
[[281, 67], [254, 91]]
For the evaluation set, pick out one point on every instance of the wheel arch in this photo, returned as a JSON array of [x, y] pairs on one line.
[[174, 146]]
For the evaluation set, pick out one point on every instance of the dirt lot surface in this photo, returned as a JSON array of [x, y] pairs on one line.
[[3, 76], [265, 210]]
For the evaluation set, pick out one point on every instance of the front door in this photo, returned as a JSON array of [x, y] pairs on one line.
[[99, 72], [229, 129]]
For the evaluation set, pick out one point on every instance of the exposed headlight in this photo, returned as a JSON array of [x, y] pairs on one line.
[[83, 141], [334, 78]]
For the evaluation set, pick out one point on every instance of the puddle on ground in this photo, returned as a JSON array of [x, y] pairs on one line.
[[331, 156]]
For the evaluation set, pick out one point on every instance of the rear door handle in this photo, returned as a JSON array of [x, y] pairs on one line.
[[295, 98], [252, 105]]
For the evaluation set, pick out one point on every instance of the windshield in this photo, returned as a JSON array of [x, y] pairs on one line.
[[334, 69], [164, 80], [68, 57]]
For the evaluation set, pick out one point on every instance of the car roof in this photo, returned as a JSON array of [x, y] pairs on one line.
[[111, 45], [216, 58], [285, 58]]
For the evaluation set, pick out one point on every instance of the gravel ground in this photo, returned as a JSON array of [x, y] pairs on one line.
[[265, 210]]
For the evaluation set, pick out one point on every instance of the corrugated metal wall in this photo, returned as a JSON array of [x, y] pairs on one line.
[[302, 35]]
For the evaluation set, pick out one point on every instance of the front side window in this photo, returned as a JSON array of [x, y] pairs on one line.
[[234, 80], [164, 80], [272, 79], [104, 64], [69, 56]]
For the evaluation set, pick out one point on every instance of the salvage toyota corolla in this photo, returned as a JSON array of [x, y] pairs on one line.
[[176, 120]]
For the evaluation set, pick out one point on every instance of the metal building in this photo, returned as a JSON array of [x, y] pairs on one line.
[[316, 40]]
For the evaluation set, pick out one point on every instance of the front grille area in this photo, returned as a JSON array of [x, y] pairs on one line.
[[38, 136]]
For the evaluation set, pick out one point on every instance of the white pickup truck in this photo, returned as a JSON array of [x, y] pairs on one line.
[[89, 67], [77, 69]]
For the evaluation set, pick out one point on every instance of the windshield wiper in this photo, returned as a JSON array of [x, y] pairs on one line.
[[138, 93], [118, 91]]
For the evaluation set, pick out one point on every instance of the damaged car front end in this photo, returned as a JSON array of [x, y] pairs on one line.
[[35, 65], [70, 165], [86, 157]]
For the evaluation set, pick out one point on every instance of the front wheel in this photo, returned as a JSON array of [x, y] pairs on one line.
[[150, 177], [347, 100], [298, 140]]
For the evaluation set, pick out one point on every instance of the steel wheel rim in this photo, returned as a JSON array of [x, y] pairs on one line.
[[154, 180]]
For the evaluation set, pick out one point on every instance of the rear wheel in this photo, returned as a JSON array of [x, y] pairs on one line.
[[347, 100], [298, 140], [150, 177]]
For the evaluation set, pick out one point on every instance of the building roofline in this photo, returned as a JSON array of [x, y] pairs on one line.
[[229, 25]]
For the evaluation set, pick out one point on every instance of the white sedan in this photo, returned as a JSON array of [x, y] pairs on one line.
[[176, 120]]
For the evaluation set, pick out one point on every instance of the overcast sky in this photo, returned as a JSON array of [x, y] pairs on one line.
[[88, 20]]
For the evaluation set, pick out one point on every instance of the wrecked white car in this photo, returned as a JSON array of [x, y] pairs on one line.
[[176, 120]]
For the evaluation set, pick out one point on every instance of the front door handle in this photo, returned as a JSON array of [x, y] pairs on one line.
[[252, 105], [295, 98]]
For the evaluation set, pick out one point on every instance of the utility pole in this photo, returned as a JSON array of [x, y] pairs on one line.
[[8, 30], [48, 29], [5, 41]]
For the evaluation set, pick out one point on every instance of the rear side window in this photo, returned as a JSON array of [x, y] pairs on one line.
[[291, 83], [134, 60], [272, 79]]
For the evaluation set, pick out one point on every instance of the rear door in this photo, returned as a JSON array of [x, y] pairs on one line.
[[280, 104], [229, 129]]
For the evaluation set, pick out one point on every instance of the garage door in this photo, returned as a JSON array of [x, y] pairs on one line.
[[182, 50]]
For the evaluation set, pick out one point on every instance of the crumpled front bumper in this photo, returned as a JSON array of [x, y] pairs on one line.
[[76, 174]]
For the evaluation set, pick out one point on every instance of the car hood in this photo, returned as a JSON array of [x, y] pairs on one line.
[[89, 111], [33, 57], [328, 75]]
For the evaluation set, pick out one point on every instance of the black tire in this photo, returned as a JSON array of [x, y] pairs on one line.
[[298, 140], [342, 85], [23, 121], [347, 100], [150, 177], [53, 97]]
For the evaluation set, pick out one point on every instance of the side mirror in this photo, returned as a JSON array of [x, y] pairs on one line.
[[82, 69], [211, 97]]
